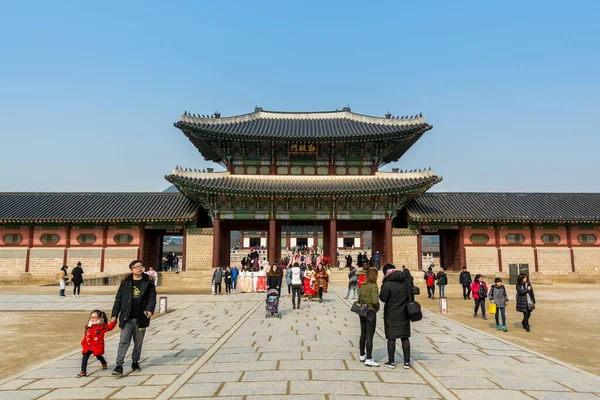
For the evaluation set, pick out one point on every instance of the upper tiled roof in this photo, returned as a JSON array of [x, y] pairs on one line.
[[506, 207], [265, 185], [316, 126], [95, 207]]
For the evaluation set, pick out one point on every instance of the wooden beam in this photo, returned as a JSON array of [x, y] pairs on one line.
[[216, 241], [535, 253], [103, 253], [183, 251], [497, 232], [29, 246], [570, 246]]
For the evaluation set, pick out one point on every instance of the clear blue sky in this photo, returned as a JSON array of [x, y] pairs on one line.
[[89, 91]]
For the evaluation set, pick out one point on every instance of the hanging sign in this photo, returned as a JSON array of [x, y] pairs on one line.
[[302, 148]]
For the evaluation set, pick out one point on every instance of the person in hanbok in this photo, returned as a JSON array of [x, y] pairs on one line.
[[241, 280], [248, 287], [321, 278], [261, 284], [309, 279]]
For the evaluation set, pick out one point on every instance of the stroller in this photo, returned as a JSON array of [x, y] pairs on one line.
[[272, 306]]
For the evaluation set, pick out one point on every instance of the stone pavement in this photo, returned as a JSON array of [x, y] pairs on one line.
[[223, 347]]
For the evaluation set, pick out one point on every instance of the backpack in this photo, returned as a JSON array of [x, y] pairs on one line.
[[429, 279], [482, 291]]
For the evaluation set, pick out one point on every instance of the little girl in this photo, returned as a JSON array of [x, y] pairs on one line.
[[93, 340]]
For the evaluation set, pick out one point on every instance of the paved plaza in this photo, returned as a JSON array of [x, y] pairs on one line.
[[224, 347]]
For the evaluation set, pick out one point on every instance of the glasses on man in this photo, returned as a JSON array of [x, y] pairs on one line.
[[138, 266]]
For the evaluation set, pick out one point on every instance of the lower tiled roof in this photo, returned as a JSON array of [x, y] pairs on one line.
[[506, 207], [300, 185], [95, 207]]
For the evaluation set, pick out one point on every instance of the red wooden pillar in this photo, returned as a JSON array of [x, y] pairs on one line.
[[67, 245], [498, 247], [389, 258], [570, 246], [141, 245], [272, 239], [333, 242], [461, 247], [216, 241], [29, 246], [535, 253], [184, 250], [103, 253], [419, 249]]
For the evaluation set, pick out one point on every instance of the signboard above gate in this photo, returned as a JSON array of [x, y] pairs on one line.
[[302, 148]]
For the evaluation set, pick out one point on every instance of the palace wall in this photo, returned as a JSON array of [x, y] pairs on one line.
[[405, 248]]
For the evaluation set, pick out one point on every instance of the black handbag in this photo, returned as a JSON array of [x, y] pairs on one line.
[[360, 309], [414, 308]]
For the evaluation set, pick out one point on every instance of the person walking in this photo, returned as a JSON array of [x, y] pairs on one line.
[[378, 261], [465, 281], [77, 279], [480, 292], [234, 276], [296, 280], [63, 279], [369, 295], [217, 278], [442, 281], [134, 306], [93, 339], [274, 279], [288, 279], [320, 282], [499, 297], [396, 293], [227, 277], [352, 282], [429, 278], [153, 274], [525, 300]]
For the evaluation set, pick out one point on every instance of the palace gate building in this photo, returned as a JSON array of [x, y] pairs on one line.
[[288, 178]]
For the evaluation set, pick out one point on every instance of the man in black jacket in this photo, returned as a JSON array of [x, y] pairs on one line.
[[465, 280], [134, 305]]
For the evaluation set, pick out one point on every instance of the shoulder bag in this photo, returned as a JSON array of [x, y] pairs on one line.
[[414, 308], [360, 309]]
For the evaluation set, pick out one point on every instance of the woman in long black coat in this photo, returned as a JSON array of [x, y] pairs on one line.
[[524, 290], [394, 293]]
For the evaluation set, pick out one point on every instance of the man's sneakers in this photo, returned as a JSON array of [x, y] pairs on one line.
[[135, 366], [504, 328], [81, 374], [363, 358], [498, 327], [390, 365], [118, 371], [371, 363], [406, 365]]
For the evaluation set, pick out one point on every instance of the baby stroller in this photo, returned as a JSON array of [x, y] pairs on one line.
[[272, 306]]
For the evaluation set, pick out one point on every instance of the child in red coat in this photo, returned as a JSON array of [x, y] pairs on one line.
[[93, 339]]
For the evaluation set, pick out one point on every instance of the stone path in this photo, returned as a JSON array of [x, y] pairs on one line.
[[223, 347]]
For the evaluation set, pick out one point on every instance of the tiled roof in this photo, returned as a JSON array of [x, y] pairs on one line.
[[95, 207], [383, 183], [506, 207], [316, 126]]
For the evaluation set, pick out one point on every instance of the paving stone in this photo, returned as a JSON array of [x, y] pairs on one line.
[[55, 383], [79, 393], [162, 369], [216, 377], [51, 373], [129, 380], [561, 395], [267, 376], [326, 355], [281, 356], [251, 388], [190, 353], [340, 375], [345, 397], [246, 366], [466, 382], [138, 392], [309, 364], [407, 390], [15, 384], [21, 394], [241, 358], [528, 384], [161, 379], [171, 360], [490, 394], [198, 390], [588, 385], [317, 387], [286, 397], [400, 376]]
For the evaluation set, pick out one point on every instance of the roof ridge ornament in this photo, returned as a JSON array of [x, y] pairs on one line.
[[388, 115], [217, 114], [347, 108], [258, 109]]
